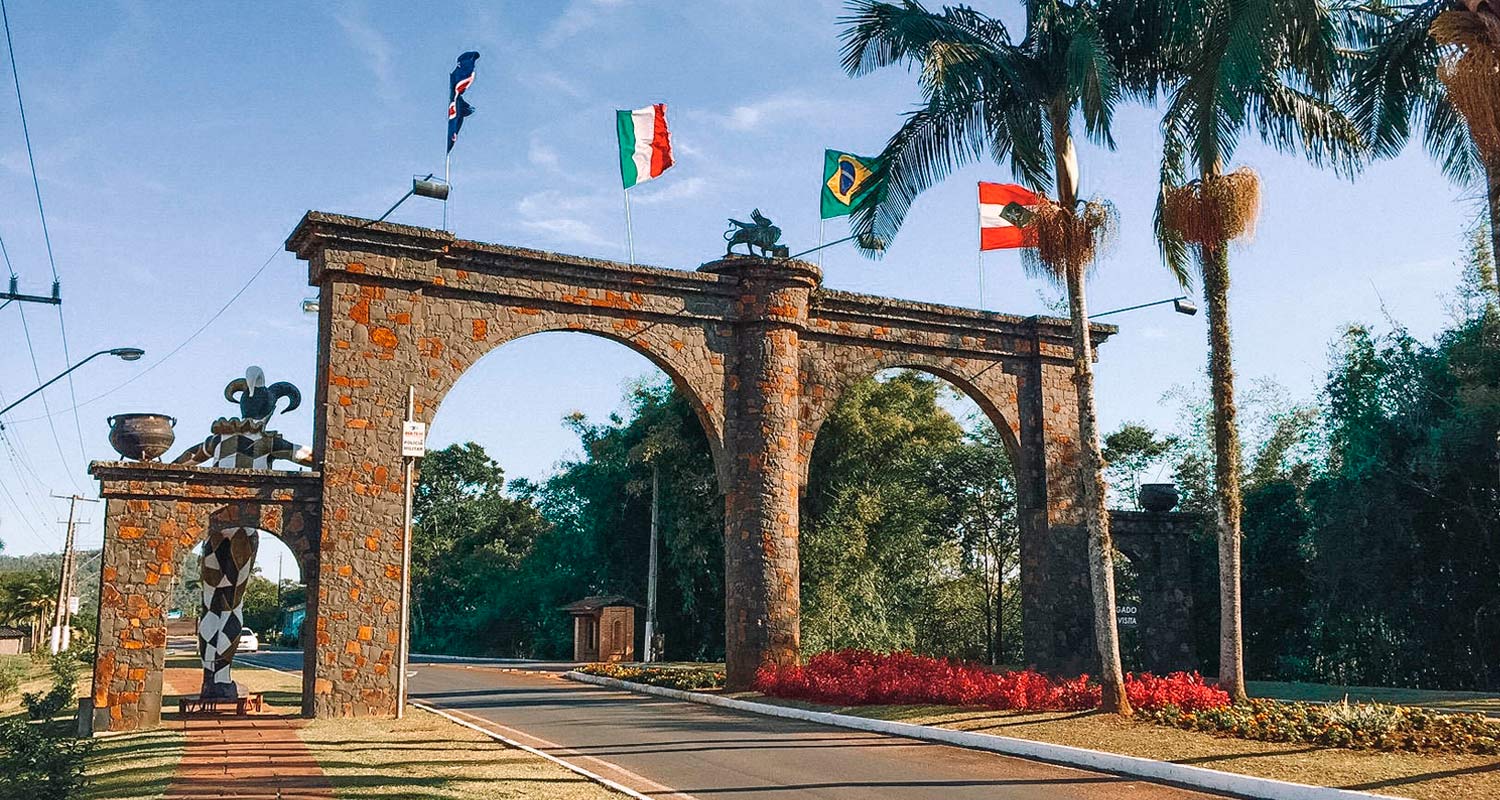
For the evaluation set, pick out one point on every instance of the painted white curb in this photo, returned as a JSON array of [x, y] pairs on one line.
[[476, 660], [1179, 774]]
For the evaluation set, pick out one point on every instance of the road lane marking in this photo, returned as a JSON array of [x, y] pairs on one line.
[[489, 728]]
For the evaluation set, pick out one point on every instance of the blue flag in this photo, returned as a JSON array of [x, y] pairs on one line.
[[458, 108]]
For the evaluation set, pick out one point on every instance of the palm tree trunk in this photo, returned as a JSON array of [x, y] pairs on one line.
[[1226, 470], [1095, 516], [1492, 175]]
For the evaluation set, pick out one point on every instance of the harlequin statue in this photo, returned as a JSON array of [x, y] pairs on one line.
[[228, 556]]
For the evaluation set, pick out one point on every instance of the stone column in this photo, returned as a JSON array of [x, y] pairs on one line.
[[762, 604], [1055, 596]]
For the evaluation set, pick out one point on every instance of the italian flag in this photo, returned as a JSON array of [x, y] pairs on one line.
[[995, 231], [645, 146]]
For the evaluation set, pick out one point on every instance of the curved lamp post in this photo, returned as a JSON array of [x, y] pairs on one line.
[[1182, 305], [123, 353]]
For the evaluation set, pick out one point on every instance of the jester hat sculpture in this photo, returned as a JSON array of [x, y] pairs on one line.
[[228, 555]]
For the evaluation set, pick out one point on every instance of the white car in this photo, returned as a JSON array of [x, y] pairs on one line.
[[249, 643]]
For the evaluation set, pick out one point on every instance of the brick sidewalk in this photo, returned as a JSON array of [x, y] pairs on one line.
[[256, 756]]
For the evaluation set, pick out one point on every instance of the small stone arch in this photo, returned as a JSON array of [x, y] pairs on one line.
[[154, 515]]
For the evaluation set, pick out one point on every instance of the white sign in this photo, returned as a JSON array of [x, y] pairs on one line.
[[413, 439]]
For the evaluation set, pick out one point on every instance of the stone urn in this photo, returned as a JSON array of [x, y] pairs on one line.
[[141, 437], [1158, 497]]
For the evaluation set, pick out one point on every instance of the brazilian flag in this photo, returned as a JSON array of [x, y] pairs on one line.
[[848, 182]]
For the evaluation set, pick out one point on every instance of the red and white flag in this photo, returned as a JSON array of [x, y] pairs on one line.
[[995, 231]]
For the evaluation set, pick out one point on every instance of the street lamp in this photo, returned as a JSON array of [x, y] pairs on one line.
[[123, 353], [1182, 305]]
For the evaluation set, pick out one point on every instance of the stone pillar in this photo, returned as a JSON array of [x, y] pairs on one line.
[[1056, 616], [762, 604], [141, 541], [368, 326]]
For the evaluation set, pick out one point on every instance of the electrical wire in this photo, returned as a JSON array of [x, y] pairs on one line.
[[174, 351], [41, 211]]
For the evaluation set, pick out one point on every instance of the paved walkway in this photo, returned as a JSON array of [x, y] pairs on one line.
[[256, 756]]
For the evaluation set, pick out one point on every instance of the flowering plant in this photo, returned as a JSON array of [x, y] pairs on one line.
[[860, 677]]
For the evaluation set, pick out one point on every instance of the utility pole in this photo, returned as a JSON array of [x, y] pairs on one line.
[[62, 618], [650, 648]]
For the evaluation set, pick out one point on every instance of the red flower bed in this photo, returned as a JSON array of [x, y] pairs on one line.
[[859, 677]]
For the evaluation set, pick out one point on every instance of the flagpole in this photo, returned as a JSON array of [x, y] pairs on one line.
[[821, 221], [629, 231], [979, 250], [447, 163]]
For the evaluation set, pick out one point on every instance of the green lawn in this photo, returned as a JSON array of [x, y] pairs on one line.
[[134, 765], [1481, 702]]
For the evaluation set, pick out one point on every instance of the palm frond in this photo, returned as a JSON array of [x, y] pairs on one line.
[[1091, 71], [1393, 71], [878, 34], [938, 139], [1174, 248], [1292, 120]]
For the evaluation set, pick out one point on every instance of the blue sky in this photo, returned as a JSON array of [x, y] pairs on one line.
[[178, 145]]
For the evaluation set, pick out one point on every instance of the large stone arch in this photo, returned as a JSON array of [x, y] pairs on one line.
[[991, 386], [758, 346], [680, 353]]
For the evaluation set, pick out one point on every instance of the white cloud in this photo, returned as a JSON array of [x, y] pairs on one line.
[[541, 154], [569, 230], [669, 190], [565, 217], [576, 18], [772, 109], [373, 46]]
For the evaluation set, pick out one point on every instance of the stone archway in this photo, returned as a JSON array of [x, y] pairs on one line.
[[154, 515], [760, 348]]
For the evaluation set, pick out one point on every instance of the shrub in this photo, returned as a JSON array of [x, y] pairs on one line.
[[40, 758], [683, 678], [12, 672], [1354, 726], [858, 677]]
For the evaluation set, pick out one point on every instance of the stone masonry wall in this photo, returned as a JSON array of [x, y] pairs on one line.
[[760, 352], [154, 515]]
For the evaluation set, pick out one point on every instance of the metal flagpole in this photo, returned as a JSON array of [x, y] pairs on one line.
[[821, 222], [447, 163], [979, 249], [629, 231]]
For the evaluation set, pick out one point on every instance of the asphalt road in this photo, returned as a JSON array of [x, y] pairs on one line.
[[670, 749]]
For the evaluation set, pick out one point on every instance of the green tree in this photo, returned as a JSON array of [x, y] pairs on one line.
[[908, 526], [987, 95], [468, 538], [261, 611], [28, 598], [1129, 453], [1230, 68]]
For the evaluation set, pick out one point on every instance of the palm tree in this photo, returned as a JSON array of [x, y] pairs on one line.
[[28, 599], [1230, 67], [987, 95], [1435, 63]]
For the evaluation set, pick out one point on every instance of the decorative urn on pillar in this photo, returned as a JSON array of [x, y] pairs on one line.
[[141, 437], [1158, 497]]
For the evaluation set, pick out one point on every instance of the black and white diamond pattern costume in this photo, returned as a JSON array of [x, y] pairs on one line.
[[228, 555]]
